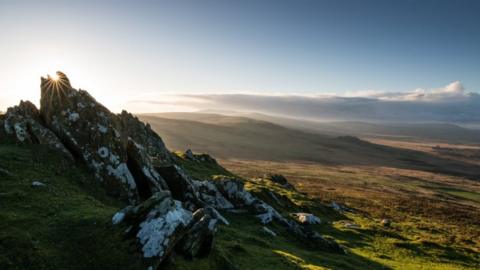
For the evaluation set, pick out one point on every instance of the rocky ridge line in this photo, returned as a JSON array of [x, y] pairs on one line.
[[168, 209]]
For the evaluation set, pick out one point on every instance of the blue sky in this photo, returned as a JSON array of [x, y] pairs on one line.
[[123, 50]]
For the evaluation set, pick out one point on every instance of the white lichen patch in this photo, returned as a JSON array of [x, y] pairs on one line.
[[103, 152], [117, 134], [73, 116], [156, 230], [20, 132], [118, 217], [121, 172], [114, 159], [102, 129]]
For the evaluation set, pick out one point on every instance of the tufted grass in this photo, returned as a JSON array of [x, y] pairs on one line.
[[63, 225]]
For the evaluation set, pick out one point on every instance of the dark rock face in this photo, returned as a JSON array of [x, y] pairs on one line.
[[143, 134], [99, 138], [181, 186]]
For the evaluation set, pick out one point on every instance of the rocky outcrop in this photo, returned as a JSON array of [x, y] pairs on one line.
[[101, 139], [131, 127], [161, 225], [168, 209], [24, 123], [181, 186]]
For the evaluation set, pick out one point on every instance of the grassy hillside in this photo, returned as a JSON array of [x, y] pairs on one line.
[[244, 138], [65, 224], [432, 132]]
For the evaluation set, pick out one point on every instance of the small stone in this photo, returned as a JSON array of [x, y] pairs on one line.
[[306, 218], [351, 225], [386, 222], [38, 184]]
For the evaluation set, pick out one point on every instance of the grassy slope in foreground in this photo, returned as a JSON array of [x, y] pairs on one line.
[[66, 225], [63, 225]]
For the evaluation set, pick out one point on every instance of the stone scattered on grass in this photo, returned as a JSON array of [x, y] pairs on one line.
[[351, 225], [38, 184], [306, 218], [386, 222]]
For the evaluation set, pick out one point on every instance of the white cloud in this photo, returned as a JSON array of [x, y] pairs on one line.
[[451, 103]]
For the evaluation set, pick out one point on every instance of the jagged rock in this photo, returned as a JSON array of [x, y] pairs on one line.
[[145, 175], [198, 241], [161, 225], [306, 218], [24, 123], [181, 186], [233, 190], [132, 127], [98, 137], [208, 192]]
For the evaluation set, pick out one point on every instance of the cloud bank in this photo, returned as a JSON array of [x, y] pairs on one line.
[[451, 103]]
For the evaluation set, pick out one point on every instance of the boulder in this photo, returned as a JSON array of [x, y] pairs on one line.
[[208, 193], [162, 225]]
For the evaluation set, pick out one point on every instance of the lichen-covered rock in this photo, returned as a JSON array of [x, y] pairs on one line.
[[131, 127], [198, 241], [208, 193], [24, 123], [181, 186], [234, 191], [162, 224], [146, 177], [100, 139]]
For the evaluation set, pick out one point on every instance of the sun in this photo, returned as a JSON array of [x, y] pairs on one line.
[[54, 77]]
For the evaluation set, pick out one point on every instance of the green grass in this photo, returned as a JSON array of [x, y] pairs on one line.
[[64, 225], [473, 196], [67, 225]]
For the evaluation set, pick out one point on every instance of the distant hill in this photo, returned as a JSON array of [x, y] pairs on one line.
[[440, 132], [246, 138]]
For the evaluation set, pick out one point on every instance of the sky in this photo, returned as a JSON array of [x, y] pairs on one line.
[[128, 52]]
